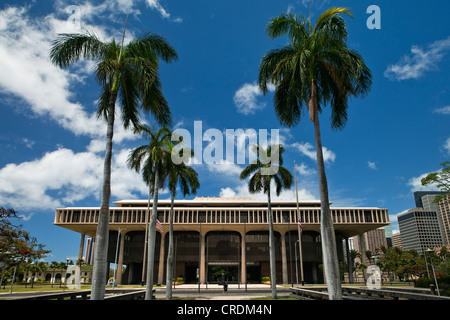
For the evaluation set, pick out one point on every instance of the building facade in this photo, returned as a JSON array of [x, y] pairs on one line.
[[396, 240], [370, 241], [444, 209], [215, 236], [420, 229]]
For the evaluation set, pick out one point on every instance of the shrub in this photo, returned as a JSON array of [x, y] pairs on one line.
[[443, 283]]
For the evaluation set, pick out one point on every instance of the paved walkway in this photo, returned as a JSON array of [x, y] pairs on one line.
[[215, 292]]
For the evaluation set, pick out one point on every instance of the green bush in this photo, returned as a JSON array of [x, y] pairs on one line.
[[265, 279], [443, 283]]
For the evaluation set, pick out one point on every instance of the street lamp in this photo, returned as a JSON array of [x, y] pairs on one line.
[[432, 268]]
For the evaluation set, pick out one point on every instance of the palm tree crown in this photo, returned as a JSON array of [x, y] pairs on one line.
[[259, 181], [316, 64], [130, 72]]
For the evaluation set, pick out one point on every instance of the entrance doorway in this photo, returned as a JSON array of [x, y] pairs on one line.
[[253, 274], [217, 273]]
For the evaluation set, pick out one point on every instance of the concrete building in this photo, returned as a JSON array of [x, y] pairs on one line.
[[223, 235], [370, 240], [396, 240], [444, 209], [420, 229]]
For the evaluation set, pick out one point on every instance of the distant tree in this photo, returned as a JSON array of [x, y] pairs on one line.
[[17, 245], [440, 178]]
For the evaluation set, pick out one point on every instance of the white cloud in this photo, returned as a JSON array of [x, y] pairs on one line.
[[63, 177], [241, 190], [415, 184], [155, 4], [225, 168], [372, 165], [420, 61], [304, 170], [308, 150], [24, 48], [447, 145], [246, 98], [443, 110]]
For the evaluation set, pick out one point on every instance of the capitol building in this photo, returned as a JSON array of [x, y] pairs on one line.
[[215, 236]]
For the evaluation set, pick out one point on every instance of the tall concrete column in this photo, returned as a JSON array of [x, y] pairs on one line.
[[120, 259], [243, 259], [162, 248], [202, 258], [349, 262], [283, 258], [80, 256]]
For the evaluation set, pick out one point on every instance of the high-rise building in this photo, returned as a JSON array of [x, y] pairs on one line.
[[370, 240], [396, 240], [419, 229], [419, 194], [444, 209]]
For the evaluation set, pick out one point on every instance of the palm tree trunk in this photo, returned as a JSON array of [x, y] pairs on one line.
[[273, 273], [329, 250], [152, 240], [169, 273], [99, 275]]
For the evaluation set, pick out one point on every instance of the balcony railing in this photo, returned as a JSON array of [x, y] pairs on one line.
[[224, 216]]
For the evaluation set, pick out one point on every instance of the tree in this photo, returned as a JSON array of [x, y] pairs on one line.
[[314, 69], [17, 245], [440, 178], [130, 74], [187, 180], [54, 265], [151, 158], [36, 267], [261, 174]]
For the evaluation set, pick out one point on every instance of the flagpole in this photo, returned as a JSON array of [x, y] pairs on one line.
[[298, 227]]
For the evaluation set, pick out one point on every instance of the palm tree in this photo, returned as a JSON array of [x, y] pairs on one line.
[[314, 69], [54, 266], [130, 74], [151, 158], [187, 180], [261, 181]]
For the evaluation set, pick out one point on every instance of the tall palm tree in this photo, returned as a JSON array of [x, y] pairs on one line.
[[128, 73], [261, 181], [314, 69], [187, 180], [151, 158]]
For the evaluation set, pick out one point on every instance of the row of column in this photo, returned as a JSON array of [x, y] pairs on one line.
[[203, 257]]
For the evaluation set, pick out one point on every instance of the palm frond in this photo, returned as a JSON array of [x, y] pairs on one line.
[[69, 48], [329, 14]]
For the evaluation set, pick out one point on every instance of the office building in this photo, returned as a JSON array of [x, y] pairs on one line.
[[419, 229]]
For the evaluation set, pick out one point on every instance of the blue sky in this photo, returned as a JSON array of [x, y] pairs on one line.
[[51, 144]]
